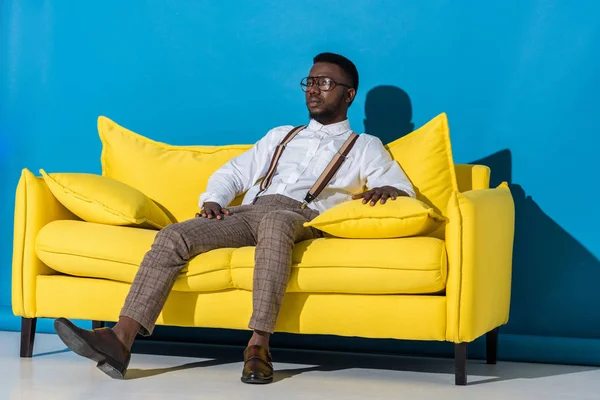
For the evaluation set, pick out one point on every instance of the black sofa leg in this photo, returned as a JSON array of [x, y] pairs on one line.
[[491, 341], [97, 324], [460, 364], [27, 336]]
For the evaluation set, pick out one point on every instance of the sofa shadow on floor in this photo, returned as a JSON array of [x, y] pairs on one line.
[[320, 361]]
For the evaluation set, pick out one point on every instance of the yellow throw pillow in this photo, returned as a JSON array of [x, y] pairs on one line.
[[99, 199], [173, 176], [426, 157], [402, 217]]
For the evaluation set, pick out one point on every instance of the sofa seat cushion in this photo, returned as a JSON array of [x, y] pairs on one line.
[[414, 265], [115, 252]]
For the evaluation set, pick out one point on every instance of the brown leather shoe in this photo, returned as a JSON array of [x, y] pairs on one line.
[[100, 345], [258, 365]]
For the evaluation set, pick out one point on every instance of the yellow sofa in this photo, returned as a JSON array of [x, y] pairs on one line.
[[454, 288]]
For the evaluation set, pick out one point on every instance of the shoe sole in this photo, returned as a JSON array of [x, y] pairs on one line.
[[256, 381], [68, 334]]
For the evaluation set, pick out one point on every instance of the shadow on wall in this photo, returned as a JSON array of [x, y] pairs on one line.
[[388, 113], [554, 276]]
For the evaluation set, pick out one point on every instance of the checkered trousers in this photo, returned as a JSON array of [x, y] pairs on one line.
[[273, 224]]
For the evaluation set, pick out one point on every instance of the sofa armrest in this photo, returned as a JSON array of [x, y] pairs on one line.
[[479, 243], [35, 206], [472, 177]]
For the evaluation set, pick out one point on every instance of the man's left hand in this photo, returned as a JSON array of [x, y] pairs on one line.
[[381, 193]]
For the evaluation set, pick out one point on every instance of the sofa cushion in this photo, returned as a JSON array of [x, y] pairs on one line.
[[413, 265], [115, 252], [172, 176], [426, 157], [103, 200], [402, 217], [328, 265]]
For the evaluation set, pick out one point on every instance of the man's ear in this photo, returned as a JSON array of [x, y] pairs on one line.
[[351, 95]]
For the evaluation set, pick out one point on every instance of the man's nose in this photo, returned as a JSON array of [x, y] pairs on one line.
[[314, 90]]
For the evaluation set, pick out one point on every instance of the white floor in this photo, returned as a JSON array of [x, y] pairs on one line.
[[56, 373]]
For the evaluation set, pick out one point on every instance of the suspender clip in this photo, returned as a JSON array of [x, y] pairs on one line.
[[307, 199], [256, 197]]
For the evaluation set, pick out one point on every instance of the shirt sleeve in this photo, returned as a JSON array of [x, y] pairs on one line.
[[240, 173], [379, 169]]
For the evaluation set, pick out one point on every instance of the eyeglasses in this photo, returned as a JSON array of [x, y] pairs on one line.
[[324, 83]]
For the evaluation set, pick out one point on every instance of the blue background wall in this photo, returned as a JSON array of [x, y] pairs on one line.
[[518, 80]]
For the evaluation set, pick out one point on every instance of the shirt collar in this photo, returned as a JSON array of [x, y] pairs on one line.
[[336, 129]]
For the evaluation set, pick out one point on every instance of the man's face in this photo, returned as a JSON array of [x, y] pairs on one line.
[[323, 105]]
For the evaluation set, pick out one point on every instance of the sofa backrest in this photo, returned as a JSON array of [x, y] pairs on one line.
[[172, 176], [175, 176]]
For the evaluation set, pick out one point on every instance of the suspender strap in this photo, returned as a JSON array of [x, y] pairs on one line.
[[330, 171], [278, 151], [326, 175]]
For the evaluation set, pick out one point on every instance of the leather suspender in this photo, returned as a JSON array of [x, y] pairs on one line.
[[326, 175], [330, 170], [278, 151]]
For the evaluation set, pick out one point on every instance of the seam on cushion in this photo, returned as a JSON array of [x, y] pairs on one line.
[[41, 248], [25, 209], [295, 265], [229, 269], [104, 147], [436, 216], [449, 154], [152, 223], [444, 281], [402, 292], [460, 264], [412, 216], [169, 147]]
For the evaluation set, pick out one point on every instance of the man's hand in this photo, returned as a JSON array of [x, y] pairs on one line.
[[213, 210], [383, 193]]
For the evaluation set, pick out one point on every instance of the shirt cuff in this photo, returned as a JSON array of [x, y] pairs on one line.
[[208, 197], [407, 189]]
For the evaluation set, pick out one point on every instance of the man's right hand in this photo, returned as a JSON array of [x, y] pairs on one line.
[[212, 210]]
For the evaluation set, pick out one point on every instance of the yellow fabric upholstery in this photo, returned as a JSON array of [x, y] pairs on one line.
[[35, 206], [324, 265], [417, 288], [472, 177], [399, 317], [426, 157], [479, 242], [97, 251], [172, 176], [398, 218], [103, 200], [361, 266]]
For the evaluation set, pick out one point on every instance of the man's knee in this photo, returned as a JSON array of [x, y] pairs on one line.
[[171, 237], [279, 223], [279, 217]]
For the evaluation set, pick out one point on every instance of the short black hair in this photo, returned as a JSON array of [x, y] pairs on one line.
[[346, 65]]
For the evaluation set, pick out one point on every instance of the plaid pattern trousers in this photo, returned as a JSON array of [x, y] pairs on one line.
[[273, 224]]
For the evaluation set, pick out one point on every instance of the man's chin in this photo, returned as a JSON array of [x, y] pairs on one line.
[[318, 113]]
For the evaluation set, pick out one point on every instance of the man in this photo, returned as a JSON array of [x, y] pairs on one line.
[[271, 218]]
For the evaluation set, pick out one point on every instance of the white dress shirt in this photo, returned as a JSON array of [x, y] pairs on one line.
[[368, 164]]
